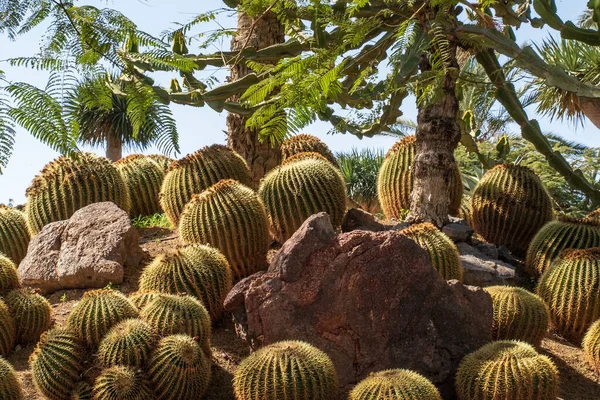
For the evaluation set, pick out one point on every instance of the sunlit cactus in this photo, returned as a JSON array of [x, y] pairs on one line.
[[305, 143], [141, 298], [122, 383], [230, 217], [32, 314], [82, 391], [9, 278], [591, 346], [395, 384], [129, 343], [309, 373], [10, 386], [14, 235], [67, 184], [196, 173], [8, 332], [198, 270]]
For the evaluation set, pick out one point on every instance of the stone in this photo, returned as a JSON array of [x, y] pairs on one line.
[[488, 249], [89, 250], [458, 232], [358, 219], [370, 300], [483, 270]]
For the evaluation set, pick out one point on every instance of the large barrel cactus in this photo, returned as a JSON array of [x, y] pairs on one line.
[[10, 387], [130, 343], [591, 346], [14, 235], [304, 184], [9, 278], [555, 236], [395, 384], [122, 383], [196, 173], [8, 332], [305, 143], [32, 314], [571, 289], [441, 250], [67, 184], [197, 270], [395, 181], [286, 370], [507, 370], [230, 217], [510, 205]]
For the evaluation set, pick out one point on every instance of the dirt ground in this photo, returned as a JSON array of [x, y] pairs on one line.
[[578, 381]]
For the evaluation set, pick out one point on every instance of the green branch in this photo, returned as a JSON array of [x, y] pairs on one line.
[[548, 11]]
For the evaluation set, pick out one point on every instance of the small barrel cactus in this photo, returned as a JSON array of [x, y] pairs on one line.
[[304, 184], [141, 298], [395, 181], [68, 184], [129, 343], [82, 391], [395, 384], [197, 270], [179, 369], [591, 346], [97, 312], [309, 371], [518, 315], [32, 314], [196, 173], [8, 331], [305, 143], [230, 217], [122, 383], [441, 250], [507, 370], [14, 235], [510, 205], [570, 287], [56, 364], [555, 236], [10, 387], [9, 278]]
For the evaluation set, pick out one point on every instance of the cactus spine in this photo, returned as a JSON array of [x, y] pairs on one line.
[[10, 387], [305, 143], [196, 173], [141, 298], [289, 370], [571, 289], [506, 370], [395, 384], [510, 205], [8, 331], [65, 185], [441, 250], [591, 346], [128, 343], [304, 184], [230, 217], [32, 314], [56, 364], [82, 391], [9, 278], [395, 181], [122, 383], [197, 270], [14, 235]]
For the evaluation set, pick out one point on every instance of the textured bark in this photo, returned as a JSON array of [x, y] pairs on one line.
[[261, 157], [114, 148], [591, 109]]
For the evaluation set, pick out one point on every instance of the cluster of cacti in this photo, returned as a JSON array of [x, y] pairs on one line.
[[97, 312], [9, 278], [395, 384], [230, 217], [518, 314], [31, 312], [395, 181], [591, 346], [304, 184], [555, 236], [143, 177], [82, 391], [197, 172], [441, 250], [286, 370], [56, 364], [68, 184], [142, 297], [122, 383], [571, 289], [510, 205], [196, 270], [8, 332], [14, 235], [10, 387], [305, 143], [129, 343], [507, 370]]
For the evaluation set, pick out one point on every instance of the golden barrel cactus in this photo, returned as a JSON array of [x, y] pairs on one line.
[[9, 277], [305, 143], [14, 235], [10, 386], [395, 384], [591, 346]]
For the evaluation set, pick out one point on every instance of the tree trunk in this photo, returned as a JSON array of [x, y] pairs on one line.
[[114, 148], [261, 157]]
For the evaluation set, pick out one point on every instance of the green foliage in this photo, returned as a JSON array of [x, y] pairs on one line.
[[143, 178], [14, 236], [395, 384], [82, 391], [10, 386], [230, 217], [142, 297], [309, 371], [153, 221], [305, 143], [591, 346], [32, 314], [9, 278], [128, 343], [360, 169], [8, 331], [122, 383], [7, 127]]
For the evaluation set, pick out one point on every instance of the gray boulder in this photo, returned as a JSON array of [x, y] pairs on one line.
[[482, 270]]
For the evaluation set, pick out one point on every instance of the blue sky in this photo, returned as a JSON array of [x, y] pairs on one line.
[[203, 126]]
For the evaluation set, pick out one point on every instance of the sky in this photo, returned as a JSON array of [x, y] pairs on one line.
[[199, 127]]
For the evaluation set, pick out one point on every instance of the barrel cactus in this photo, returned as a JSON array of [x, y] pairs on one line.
[[395, 384], [309, 373], [8, 331], [507, 370], [555, 236], [466, 213], [591, 346], [395, 181], [510, 205], [143, 177], [230, 217], [304, 184], [518, 315], [594, 215], [97, 312], [9, 278], [196, 173], [68, 184], [441, 250], [10, 387], [129, 343], [162, 161], [305, 143], [14, 235], [141, 298], [179, 369], [56, 364], [82, 391], [122, 383], [32, 314], [571, 289], [198, 270]]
